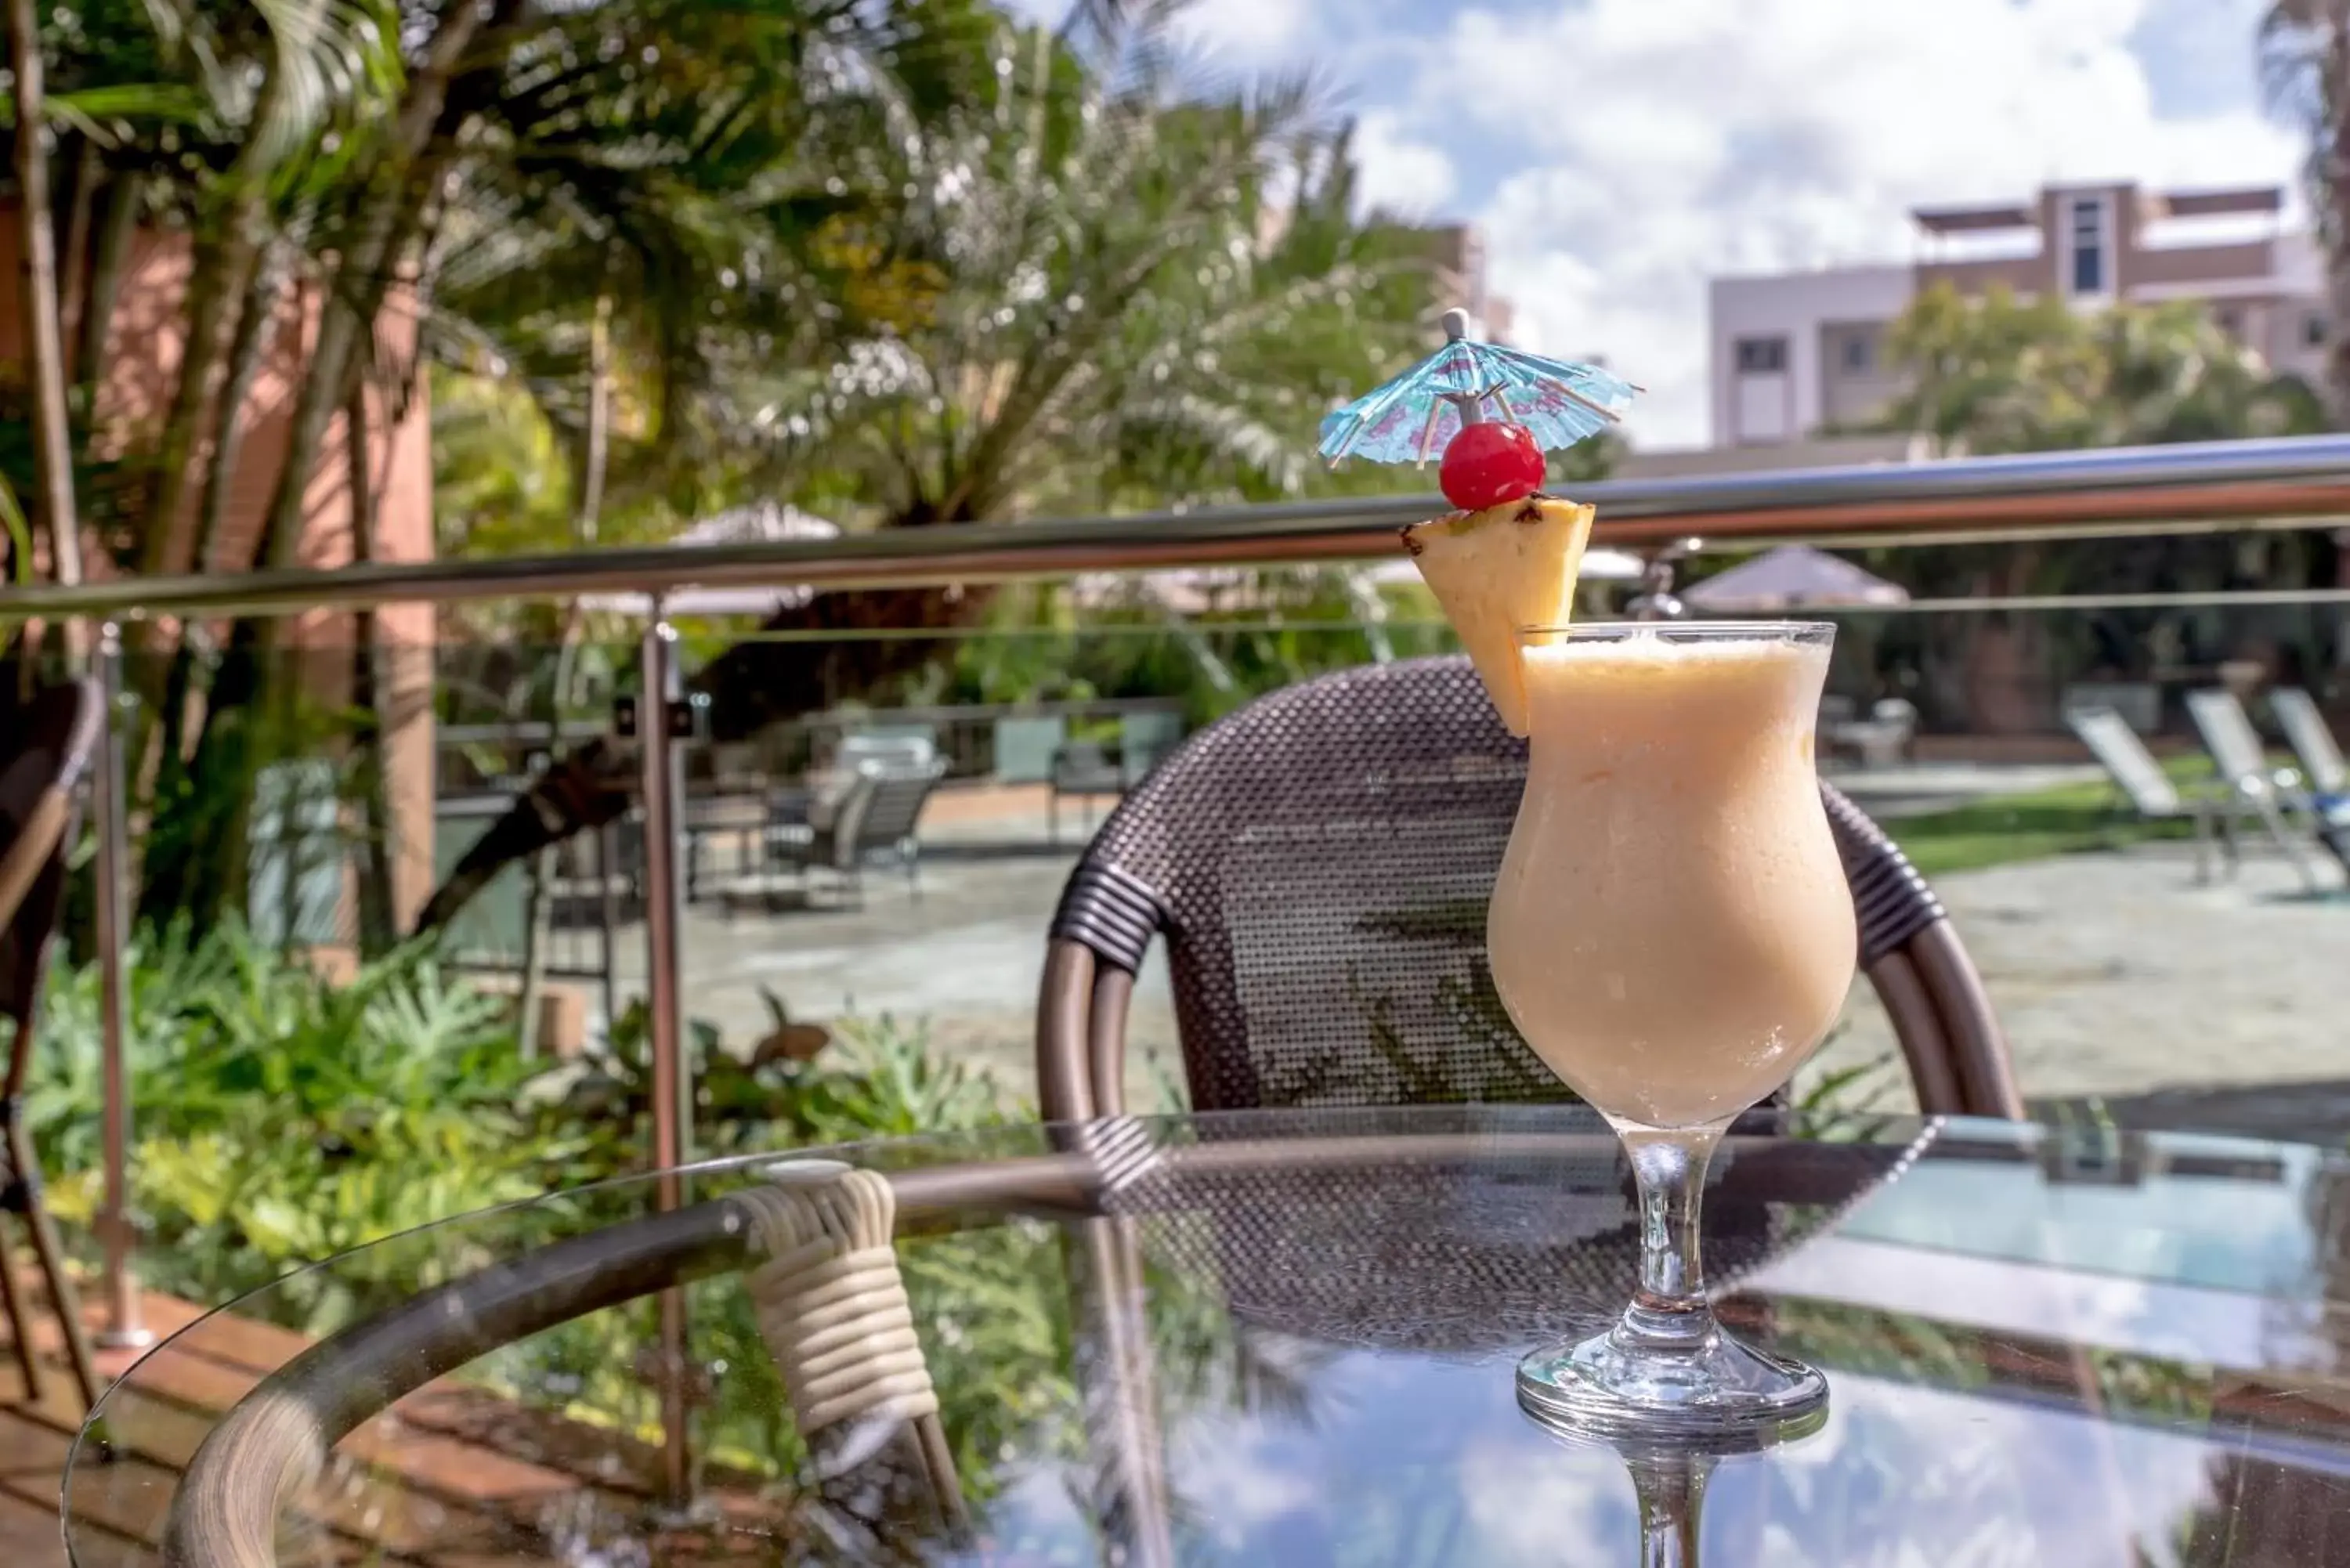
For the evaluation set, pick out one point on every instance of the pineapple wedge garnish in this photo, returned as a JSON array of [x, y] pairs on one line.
[[1495, 571]]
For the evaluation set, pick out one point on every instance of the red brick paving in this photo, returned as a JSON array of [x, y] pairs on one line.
[[434, 1482]]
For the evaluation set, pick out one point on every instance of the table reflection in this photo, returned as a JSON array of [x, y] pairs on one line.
[[1294, 1346]]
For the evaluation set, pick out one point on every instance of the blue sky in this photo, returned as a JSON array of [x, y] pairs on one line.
[[1619, 152]]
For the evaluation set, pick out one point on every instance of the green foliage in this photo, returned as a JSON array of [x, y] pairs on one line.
[[1995, 374], [1271, 629], [2060, 820], [878, 1080], [283, 1117]]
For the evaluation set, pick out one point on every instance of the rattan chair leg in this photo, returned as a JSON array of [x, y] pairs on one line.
[[1919, 1028], [831, 1304], [64, 1300], [1117, 1393], [1978, 1048], [20, 1320]]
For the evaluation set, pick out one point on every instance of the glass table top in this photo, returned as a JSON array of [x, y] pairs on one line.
[[1279, 1338]]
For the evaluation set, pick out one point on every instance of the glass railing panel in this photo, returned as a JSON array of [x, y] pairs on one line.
[[280, 997]]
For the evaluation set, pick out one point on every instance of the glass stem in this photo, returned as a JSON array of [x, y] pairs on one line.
[[1669, 1311], [1671, 1490]]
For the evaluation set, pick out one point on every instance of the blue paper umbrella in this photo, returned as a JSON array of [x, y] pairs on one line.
[[1412, 418]]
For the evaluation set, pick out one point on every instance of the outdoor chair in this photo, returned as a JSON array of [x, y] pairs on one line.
[[878, 816], [51, 740], [2132, 770], [2253, 786], [1320, 864], [1083, 769]]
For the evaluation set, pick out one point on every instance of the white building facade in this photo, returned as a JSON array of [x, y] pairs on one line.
[[1798, 354]]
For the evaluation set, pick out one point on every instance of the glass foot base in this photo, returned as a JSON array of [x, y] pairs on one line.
[[1611, 1386]]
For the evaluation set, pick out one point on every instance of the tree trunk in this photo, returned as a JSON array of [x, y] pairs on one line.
[[44, 340], [167, 684], [250, 696], [73, 264], [378, 927], [127, 195], [256, 335], [219, 287], [389, 216], [587, 517]]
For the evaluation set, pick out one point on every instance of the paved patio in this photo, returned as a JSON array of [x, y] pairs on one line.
[[2117, 977], [2115, 974]]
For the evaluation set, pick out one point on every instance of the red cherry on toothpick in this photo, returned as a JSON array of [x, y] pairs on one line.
[[1490, 464]]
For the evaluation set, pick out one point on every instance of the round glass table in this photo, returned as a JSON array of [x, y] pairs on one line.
[[1272, 1339]]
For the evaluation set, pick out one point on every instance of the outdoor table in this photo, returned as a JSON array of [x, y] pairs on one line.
[[1287, 1337]]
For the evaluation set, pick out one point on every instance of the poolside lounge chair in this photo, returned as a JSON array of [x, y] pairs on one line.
[[2253, 787], [2311, 741], [2134, 772]]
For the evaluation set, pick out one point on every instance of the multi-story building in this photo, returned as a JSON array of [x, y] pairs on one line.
[[1798, 354]]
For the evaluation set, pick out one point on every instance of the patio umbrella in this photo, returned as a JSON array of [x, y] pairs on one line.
[[759, 522], [1793, 576]]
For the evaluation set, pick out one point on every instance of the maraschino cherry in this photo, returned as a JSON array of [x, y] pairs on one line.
[[1490, 464]]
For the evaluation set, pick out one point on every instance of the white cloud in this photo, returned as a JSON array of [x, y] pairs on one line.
[[1246, 30], [1648, 144], [1401, 174]]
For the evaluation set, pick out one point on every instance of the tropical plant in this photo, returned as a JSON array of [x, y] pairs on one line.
[[286, 1116], [1064, 278], [1995, 374]]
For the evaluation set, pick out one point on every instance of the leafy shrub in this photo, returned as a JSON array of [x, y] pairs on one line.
[[284, 1118]]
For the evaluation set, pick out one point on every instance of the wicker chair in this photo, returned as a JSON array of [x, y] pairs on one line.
[[1320, 864], [53, 737]]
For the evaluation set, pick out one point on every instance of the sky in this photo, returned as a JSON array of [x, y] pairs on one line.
[[1617, 154]]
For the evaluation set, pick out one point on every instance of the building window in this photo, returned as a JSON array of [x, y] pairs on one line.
[[2313, 330], [1761, 356], [2089, 245], [1859, 353]]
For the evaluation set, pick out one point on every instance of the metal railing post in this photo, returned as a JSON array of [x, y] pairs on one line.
[[663, 787], [124, 1330], [672, 1088]]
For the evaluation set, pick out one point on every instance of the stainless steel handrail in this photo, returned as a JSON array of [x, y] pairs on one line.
[[2297, 481]]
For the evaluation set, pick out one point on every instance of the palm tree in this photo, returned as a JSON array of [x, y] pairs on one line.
[[1062, 282], [2305, 56]]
